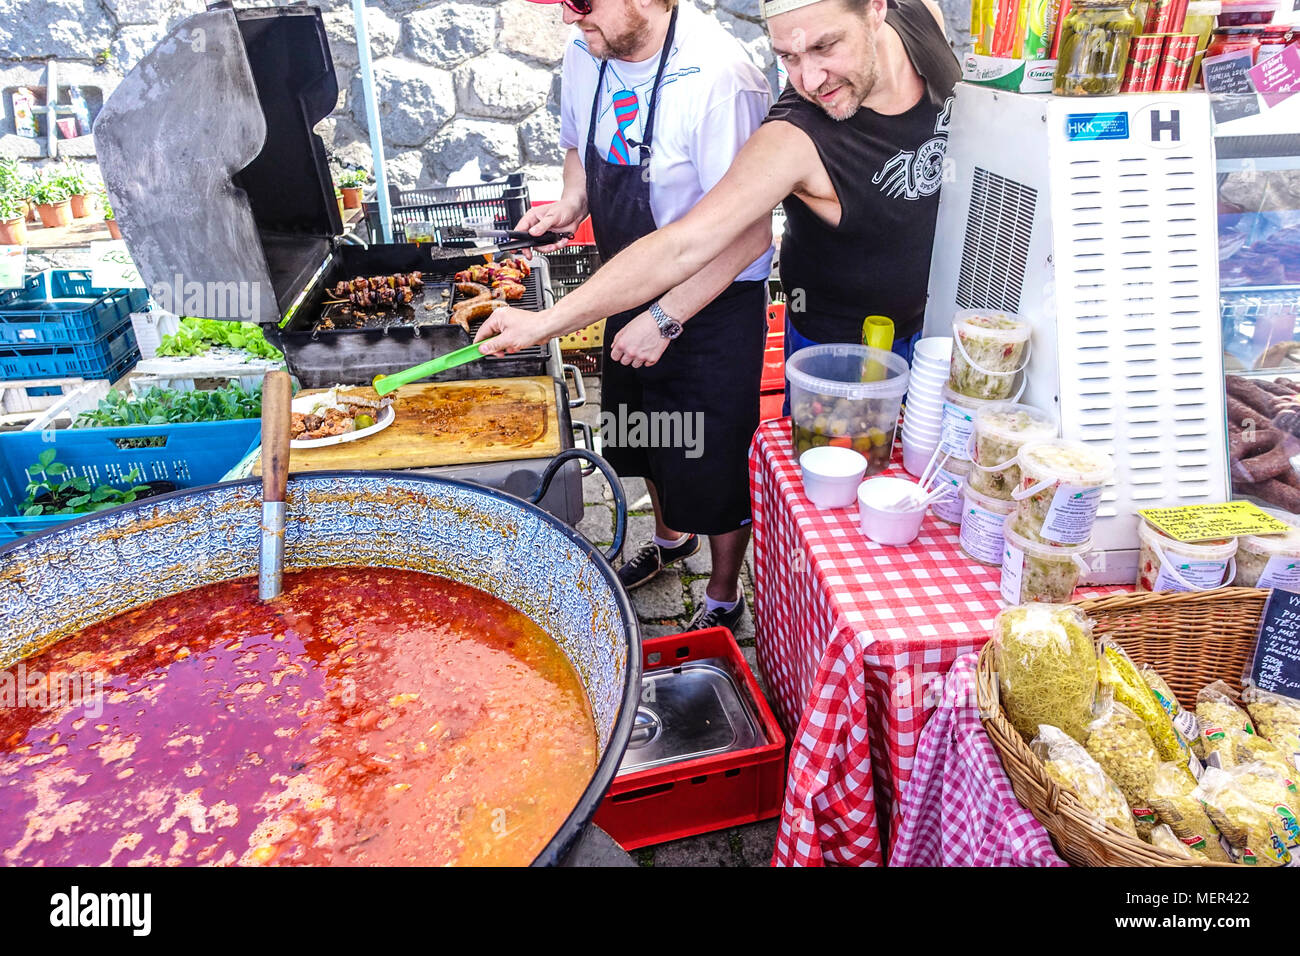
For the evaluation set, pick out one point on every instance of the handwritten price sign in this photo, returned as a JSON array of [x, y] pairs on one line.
[[13, 261], [111, 266]]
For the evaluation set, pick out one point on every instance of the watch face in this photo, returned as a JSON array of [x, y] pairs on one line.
[[671, 329]]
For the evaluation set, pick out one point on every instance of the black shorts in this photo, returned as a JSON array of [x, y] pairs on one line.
[[697, 411]]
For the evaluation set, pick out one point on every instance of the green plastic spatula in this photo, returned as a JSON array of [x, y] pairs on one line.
[[469, 353]]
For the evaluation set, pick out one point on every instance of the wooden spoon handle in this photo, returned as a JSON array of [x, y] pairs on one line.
[[277, 394]]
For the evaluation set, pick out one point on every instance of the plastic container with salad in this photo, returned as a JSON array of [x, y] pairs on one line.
[[1061, 484], [1165, 564], [952, 475], [1269, 560], [1000, 432], [957, 425], [1033, 572], [982, 521], [989, 351]]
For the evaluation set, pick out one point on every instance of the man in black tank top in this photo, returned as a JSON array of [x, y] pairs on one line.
[[854, 149]]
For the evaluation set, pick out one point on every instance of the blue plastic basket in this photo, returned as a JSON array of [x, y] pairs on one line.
[[107, 357], [195, 454], [61, 306]]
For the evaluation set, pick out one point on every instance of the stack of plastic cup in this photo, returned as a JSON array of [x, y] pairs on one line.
[[923, 412]]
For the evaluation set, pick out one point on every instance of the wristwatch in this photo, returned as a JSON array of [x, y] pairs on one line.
[[669, 327]]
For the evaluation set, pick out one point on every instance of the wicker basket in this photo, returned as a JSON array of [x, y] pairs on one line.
[[1191, 638]]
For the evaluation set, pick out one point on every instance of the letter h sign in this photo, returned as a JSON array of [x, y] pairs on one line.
[[1160, 126]]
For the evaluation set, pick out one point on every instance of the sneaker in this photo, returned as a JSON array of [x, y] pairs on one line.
[[718, 617], [646, 564]]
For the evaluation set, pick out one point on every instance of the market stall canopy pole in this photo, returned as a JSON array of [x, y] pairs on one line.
[[372, 119]]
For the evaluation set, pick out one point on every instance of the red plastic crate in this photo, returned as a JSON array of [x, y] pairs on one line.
[[776, 318], [773, 364], [770, 405], [695, 796]]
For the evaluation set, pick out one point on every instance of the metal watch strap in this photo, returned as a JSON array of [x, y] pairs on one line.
[[669, 327]]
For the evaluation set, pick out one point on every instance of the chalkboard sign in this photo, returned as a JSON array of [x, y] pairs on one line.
[[1276, 666]]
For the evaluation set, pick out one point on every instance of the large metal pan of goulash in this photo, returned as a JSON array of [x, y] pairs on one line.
[[56, 584]]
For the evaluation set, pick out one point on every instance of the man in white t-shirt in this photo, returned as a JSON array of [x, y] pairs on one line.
[[656, 100]]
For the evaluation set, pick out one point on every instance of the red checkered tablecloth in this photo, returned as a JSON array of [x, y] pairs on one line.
[[958, 808], [854, 639]]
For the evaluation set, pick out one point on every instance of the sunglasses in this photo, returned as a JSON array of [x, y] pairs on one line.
[[581, 7]]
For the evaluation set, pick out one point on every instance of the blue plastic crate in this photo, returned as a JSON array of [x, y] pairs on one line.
[[107, 357], [61, 306], [195, 454]]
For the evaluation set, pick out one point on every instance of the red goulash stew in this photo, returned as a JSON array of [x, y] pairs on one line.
[[368, 716]]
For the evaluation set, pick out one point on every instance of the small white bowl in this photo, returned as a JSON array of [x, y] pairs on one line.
[[934, 349], [880, 517], [916, 457], [831, 475]]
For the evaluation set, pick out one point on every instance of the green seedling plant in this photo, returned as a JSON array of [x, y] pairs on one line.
[[196, 336], [74, 495]]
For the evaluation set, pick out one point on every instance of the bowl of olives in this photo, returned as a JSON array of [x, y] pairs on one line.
[[846, 396]]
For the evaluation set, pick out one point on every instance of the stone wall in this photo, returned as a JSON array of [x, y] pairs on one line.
[[467, 89]]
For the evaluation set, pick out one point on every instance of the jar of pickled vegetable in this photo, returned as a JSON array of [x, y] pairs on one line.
[[1094, 46]]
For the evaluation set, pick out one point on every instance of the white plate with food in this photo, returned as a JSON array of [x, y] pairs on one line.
[[331, 418]]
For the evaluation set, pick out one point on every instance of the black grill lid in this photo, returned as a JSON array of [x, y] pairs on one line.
[[211, 164]]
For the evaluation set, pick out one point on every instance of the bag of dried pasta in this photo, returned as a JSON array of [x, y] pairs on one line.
[[1249, 825], [1047, 667], [1277, 719], [1217, 713], [1116, 670], [1069, 765], [1162, 838], [1184, 720], [1236, 747], [1118, 740], [1172, 800], [1276, 790]]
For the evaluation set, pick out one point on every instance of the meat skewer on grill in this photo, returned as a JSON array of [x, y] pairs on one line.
[[371, 291]]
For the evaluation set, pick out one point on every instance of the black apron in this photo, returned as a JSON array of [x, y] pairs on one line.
[[697, 407]]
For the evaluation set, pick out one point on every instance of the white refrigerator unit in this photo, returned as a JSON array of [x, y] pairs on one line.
[[1094, 219]]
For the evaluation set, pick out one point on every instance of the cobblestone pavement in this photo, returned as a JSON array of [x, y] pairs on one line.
[[666, 606]]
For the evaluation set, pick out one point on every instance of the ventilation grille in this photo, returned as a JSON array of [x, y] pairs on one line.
[[996, 247], [1139, 316]]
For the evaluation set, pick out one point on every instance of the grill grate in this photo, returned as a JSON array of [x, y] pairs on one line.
[[996, 246]]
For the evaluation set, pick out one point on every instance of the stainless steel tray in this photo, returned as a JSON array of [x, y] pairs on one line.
[[690, 711]]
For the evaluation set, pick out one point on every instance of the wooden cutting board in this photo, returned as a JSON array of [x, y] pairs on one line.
[[449, 423]]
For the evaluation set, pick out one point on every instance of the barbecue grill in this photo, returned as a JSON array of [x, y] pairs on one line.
[[209, 155]]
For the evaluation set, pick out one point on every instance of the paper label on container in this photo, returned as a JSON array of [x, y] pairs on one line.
[[955, 430], [1013, 569], [981, 533], [1072, 514], [948, 507], [1280, 572], [13, 263], [1201, 575]]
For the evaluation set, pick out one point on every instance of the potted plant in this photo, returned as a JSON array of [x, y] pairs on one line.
[[110, 218], [73, 177], [338, 197], [352, 182], [13, 220], [13, 182], [53, 204]]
